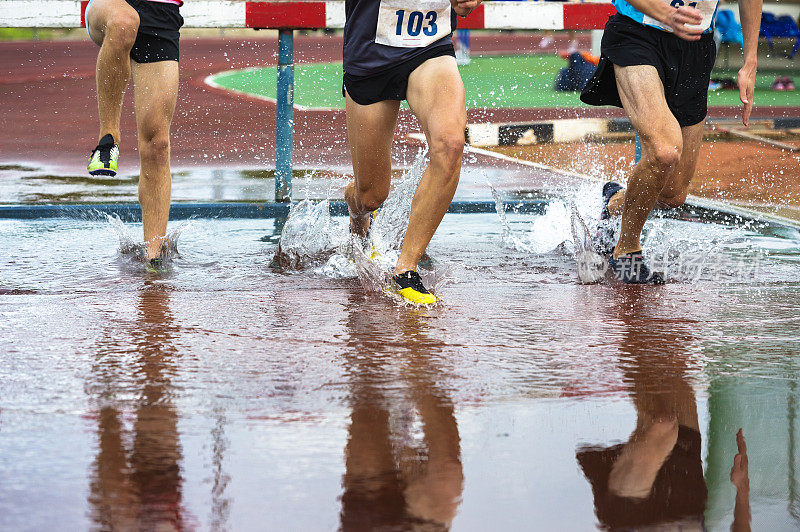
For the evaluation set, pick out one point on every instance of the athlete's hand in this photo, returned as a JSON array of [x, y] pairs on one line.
[[746, 79], [679, 18], [464, 7]]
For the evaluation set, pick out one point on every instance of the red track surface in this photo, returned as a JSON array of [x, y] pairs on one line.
[[47, 93]]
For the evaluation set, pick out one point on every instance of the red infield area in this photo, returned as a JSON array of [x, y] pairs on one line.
[[47, 91]]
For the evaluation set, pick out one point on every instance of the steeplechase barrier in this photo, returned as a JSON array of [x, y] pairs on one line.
[[288, 16]]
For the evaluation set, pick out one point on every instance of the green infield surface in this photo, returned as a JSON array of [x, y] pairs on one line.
[[506, 81]]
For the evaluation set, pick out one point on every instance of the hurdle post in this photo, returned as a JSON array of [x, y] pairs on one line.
[[284, 130]]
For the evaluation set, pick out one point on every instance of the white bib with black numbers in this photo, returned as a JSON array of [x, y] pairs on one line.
[[706, 7], [412, 23]]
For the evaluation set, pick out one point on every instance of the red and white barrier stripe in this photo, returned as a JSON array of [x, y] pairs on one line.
[[313, 15]]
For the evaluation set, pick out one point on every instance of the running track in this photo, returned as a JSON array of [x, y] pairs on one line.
[[47, 93]]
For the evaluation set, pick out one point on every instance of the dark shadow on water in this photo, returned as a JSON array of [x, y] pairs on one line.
[[403, 458]]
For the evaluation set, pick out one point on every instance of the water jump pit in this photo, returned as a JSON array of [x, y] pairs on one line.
[[247, 388], [183, 398]]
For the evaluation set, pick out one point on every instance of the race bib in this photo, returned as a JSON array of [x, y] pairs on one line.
[[706, 7], [412, 24]]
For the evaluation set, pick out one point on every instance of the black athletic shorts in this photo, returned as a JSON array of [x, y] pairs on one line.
[[684, 67], [392, 83], [159, 31]]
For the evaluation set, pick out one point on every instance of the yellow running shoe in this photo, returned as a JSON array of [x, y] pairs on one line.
[[374, 254], [410, 288], [103, 159]]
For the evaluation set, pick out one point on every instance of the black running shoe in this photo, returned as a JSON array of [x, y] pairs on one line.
[[410, 288], [631, 269], [103, 159], [609, 190], [605, 237]]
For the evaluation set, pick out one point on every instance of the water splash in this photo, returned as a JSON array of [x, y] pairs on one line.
[[592, 265], [685, 252], [130, 245], [389, 226], [309, 236], [692, 252], [312, 240], [549, 232]]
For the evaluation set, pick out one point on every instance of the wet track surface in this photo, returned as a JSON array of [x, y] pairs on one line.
[[224, 393]]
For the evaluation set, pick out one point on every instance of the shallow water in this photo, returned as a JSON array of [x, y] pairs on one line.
[[226, 394]]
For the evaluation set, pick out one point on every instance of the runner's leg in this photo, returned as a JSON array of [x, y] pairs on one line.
[[436, 95], [370, 130], [675, 192], [642, 95], [155, 90], [113, 25]]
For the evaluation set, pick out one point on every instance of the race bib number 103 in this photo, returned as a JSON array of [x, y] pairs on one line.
[[412, 27]]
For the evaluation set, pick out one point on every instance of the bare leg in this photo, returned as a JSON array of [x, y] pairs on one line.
[[675, 191], [112, 24], [155, 87], [436, 95], [370, 130], [642, 95]]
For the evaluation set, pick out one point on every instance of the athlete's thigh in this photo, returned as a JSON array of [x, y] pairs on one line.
[[436, 95], [678, 185], [370, 130], [642, 94], [100, 12], [155, 92]]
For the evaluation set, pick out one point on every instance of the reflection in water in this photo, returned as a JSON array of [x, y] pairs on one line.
[[403, 457], [137, 482], [656, 478]]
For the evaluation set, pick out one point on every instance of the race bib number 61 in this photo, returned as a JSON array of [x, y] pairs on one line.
[[707, 8], [409, 24]]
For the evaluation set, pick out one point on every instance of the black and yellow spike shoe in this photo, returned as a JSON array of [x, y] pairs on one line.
[[103, 159], [156, 265], [410, 288]]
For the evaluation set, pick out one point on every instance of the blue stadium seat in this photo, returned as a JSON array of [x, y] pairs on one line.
[[783, 27]]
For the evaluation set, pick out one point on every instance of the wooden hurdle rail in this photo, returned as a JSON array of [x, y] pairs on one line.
[[287, 16]]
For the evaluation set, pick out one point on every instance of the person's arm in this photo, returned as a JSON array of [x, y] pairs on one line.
[[464, 7], [675, 18], [750, 15]]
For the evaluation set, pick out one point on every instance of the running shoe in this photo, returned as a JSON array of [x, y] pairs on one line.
[[605, 238], [103, 159], [410, 288], [156, 265], [631, 269]]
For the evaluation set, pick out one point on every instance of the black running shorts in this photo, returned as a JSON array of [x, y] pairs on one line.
[[390, 84], [684, 67], [159, 31]]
